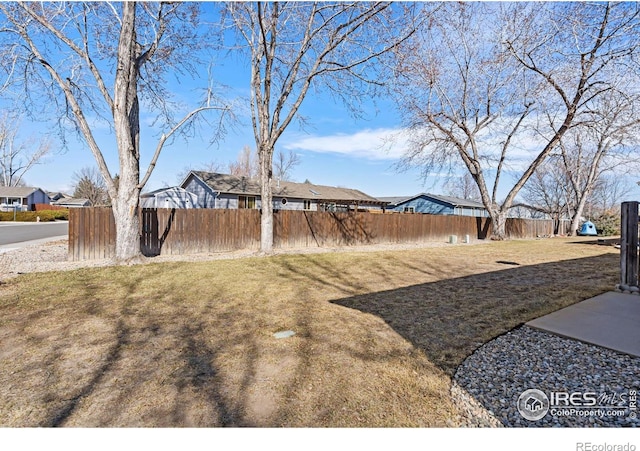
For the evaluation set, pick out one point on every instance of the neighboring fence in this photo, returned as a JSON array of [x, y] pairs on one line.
[[184, 231], [41, 207], [531, 228]]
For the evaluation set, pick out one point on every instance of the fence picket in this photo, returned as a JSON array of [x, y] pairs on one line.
[[177, 231]]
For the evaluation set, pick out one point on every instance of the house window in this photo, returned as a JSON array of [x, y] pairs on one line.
[[409, 209], [247, 202], [307, 205]]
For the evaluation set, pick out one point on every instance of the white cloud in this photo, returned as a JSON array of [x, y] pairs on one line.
[[371, 144], [386, 144]]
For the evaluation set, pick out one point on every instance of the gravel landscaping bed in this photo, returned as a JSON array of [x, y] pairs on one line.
[[489, 382]]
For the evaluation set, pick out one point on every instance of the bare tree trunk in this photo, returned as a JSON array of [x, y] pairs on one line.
[[125, 210], [266, 196], [127, 127], [575, 220], [498, 225]]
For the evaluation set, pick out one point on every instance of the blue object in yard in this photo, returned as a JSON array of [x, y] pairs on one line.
[[588, 228]]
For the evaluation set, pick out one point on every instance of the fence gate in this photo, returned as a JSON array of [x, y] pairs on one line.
[[629, 247], [149, 239]]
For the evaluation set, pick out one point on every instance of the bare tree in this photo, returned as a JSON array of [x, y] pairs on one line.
[[463, 187], [284, 164], [604, 144], [496, 86], [211, 166], [17, 157], [548, 191], [76, 51], [90, 185], [607, 195], [295, 45], [246, 165]]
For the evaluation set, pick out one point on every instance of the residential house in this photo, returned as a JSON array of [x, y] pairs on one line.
[[25, 197], [63, 200], [174, 197], [56, 196], [72, 202], [227, 191], [436, 205]]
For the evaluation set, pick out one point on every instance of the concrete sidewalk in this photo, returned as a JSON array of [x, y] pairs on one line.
[[610, 320]]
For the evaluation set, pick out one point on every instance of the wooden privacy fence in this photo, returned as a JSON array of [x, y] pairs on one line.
[[185, 231], [42, 207]]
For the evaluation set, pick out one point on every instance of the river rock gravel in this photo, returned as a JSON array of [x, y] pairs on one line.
[[489, 382]]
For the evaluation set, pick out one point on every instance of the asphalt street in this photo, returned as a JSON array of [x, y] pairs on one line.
[[19, 232]]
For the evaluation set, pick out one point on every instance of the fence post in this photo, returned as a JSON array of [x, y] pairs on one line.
[[629, 246]]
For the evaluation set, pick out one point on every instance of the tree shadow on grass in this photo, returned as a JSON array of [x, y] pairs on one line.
[[138, 353], [451, 318], [60, 415], [121, 361]]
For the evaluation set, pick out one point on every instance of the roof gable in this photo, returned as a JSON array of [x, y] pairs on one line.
[[58, 195], [448, 200], [75, 201], [177, 189], [17, 191], [456, 201], [229, 184]]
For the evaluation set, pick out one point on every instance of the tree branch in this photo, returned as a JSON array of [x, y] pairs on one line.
[[167, 135], [84, 54]]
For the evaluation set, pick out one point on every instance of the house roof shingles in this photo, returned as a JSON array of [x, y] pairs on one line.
[[73, 201], [17, 191], [58, 195], [163, 190], [453, 201], [225, 183]]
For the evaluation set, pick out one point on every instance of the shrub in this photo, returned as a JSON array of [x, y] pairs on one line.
[[607, 224], [32, 216]]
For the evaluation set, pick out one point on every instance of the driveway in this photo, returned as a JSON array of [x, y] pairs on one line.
[[20, 232]]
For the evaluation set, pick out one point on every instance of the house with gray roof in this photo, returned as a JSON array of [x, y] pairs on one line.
[[23, 196], [72, 202], [173, 197], [436, 204], [63, 200], [227, 191], [56, 196]]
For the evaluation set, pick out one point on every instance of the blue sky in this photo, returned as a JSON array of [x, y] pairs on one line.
[[334, 148]]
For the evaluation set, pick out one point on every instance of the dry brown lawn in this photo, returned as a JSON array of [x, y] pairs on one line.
[[378, 334]]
